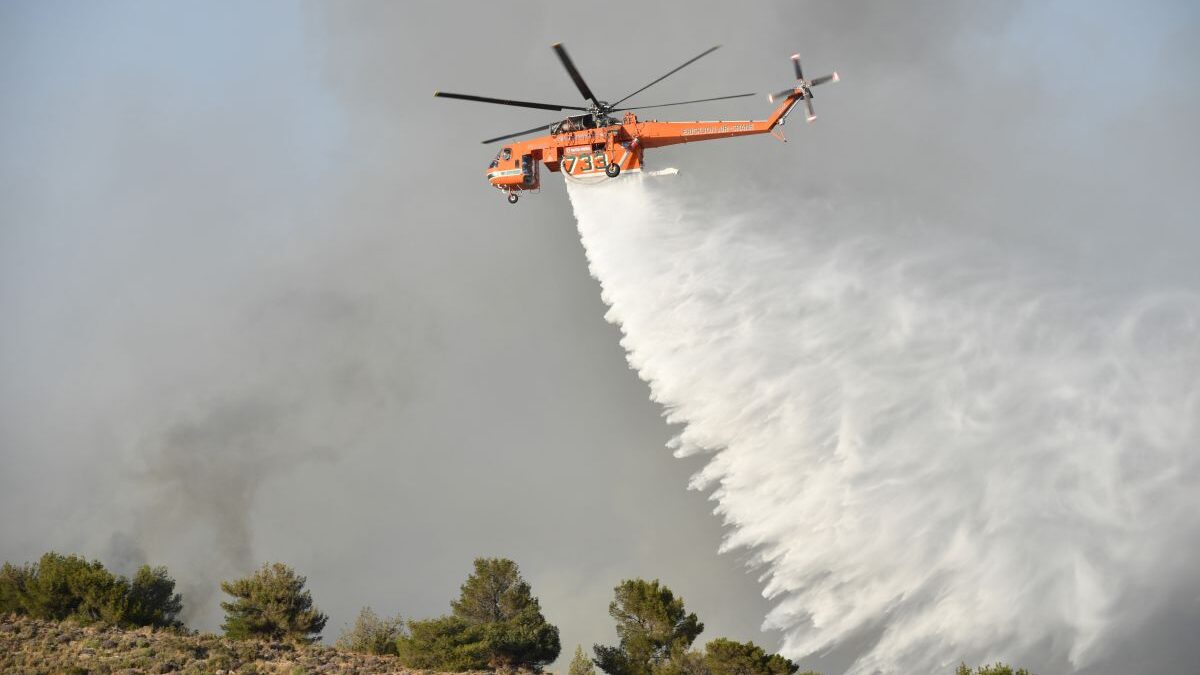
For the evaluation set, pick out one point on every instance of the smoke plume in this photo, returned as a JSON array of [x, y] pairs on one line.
[[324, 375], [932, 448]]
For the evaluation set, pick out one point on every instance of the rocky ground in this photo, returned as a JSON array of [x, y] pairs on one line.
[[29, 646]]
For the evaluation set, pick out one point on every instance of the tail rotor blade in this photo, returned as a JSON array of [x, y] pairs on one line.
[[803, 89], [796, 63], [780, 94], [825, 78]]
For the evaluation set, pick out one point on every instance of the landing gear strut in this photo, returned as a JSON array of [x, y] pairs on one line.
[[612, 170], [512, 198]]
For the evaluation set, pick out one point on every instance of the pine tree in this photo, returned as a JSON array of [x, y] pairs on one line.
[[494, 592], [652, 626], [581, 664], [271, 604], [496, 623], [496, 599]]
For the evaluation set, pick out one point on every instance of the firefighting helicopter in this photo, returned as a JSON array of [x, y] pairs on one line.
[[593, 144]]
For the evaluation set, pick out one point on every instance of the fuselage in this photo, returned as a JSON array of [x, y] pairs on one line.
[[590, 151]]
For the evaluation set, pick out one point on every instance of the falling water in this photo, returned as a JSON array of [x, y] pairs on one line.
[[934, 451]]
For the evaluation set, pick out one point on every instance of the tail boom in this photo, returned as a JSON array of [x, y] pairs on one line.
[[660, 134]]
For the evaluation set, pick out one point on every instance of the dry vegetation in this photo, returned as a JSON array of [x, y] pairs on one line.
[[30, 646]]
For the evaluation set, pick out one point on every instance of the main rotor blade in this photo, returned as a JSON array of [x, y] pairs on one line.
[[700, 100], [575, 76], [505, 101], [689, 62], [544, 127]]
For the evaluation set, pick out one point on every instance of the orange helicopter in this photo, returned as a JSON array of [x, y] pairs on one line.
[[595, 145]]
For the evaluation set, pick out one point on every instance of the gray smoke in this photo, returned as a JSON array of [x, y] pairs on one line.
[[203, 478], [317, 383]]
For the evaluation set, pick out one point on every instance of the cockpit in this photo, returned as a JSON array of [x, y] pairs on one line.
[[504, 154]]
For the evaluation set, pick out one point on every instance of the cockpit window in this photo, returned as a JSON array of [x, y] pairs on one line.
[[506, 153]]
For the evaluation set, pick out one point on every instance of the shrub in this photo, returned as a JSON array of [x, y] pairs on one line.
[[447, 643], [152, 600], [60, 587], [995, 669], [271, 604], [727, 657], [371, 634], [13, 581]]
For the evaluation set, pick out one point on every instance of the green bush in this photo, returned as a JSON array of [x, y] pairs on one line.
[[446, 643], [61, 587], [69, 587], [152, 599], [371, 634], [271, 604], [13, 582], [727, 657]]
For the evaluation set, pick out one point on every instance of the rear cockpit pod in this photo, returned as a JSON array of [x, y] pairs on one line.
[[530, 175]]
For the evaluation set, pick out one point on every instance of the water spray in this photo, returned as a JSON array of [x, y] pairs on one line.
[[933, 453]]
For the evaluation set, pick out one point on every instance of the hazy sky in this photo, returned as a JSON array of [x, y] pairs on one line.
[[259, 303]]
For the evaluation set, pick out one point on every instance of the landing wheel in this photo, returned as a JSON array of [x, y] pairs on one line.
[[512, 198], [612, 170]]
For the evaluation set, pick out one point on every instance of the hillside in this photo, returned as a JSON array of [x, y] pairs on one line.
[[31, 646]]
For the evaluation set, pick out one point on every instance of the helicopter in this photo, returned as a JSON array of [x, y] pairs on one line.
[[594, 145]]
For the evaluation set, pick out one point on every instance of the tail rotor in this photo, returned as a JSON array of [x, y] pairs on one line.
[[804, 88]]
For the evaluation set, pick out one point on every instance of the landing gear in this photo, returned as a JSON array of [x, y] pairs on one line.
[[612, 171], [512, 198]]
